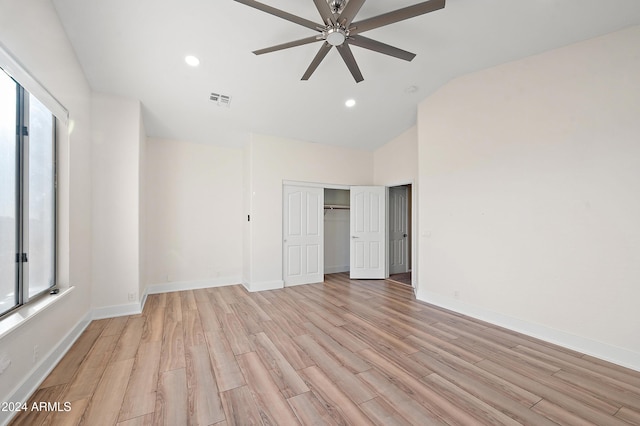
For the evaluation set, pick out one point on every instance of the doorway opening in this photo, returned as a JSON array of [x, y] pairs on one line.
[[400, 233]]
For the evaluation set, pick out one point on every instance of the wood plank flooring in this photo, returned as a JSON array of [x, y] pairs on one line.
[[340, 352]]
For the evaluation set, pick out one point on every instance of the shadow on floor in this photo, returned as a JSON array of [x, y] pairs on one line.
[[404, 278]]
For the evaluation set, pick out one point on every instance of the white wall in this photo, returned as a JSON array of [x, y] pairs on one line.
[[116, 156], [274, 160], [396, 162], [33, 34], [194, 213], [529, 206]]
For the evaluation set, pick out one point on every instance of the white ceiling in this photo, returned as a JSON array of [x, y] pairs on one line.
[[136, 49]]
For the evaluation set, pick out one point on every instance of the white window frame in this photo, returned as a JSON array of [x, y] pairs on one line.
[[29, 85]]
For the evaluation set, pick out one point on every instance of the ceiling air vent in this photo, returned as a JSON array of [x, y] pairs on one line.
[[221, 100]]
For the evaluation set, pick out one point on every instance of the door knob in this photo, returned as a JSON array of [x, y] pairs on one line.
[[353, 236], [405, 235]]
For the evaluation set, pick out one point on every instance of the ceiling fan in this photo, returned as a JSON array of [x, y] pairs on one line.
[[339, 30]]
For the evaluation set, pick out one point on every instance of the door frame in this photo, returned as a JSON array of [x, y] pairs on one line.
[[318, 184], [414, 229]]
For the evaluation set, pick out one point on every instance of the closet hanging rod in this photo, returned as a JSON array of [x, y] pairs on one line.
[[335, 207]]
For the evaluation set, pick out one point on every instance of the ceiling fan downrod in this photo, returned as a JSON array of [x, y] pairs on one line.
[[337, 5], [335, 34]]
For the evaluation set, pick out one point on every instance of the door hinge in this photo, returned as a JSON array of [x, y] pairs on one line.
[[21, 257], [25, 131]]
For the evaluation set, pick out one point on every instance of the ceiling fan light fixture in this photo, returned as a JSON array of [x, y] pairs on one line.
[[335, 36]]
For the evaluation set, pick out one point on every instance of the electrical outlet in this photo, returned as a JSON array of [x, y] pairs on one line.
[[132, 297], [456, 294], [36, 353]]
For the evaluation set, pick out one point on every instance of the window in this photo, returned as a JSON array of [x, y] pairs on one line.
[[27, 196]]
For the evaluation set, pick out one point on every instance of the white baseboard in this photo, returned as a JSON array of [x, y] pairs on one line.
[[297, 284], [136, 308], [264, 285], [336, 269], [31, 383], [620, 356], [191, 285], [116, 311]]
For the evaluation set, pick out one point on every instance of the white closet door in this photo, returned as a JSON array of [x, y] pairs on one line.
[[303, 235], [368, 232]]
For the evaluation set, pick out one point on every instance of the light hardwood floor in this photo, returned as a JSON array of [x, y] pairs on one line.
[[338, 352]]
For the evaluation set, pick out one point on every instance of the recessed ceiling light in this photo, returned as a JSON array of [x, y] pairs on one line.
[[192, 60], [350, 103]]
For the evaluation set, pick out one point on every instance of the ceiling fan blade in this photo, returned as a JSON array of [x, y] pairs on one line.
[[324, 49], [325, 11], [281, 14], [282, 46], [349, 12], [347, 56], [396, 16], [377, 46]]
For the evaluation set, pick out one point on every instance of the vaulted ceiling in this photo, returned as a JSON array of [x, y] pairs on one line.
[[136, 49]]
